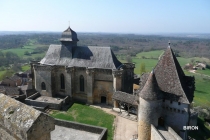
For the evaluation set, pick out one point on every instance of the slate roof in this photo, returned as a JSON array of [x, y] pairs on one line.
[[151, 90], [170, 77], [171, 80], [13, 78], [82, 56], [69, 35], [124, 97], [143, 80], [11, 91]]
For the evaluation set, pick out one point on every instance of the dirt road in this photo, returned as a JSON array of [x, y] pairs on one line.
[[124, 128]]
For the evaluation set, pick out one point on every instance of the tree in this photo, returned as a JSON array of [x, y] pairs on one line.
[[16, 67], [142, 68], [26, 53]]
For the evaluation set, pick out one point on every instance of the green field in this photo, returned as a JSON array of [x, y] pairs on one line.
[[30, 48], [205, 72], [25, 67], [89, 115], [151, 54]]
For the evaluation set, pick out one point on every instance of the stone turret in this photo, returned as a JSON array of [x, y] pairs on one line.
[[150, 99], [69, 37], [68, 41]]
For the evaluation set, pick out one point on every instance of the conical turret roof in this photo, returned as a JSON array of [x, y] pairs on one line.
[[151, 90]]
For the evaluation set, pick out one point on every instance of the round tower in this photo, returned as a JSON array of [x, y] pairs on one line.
[[150, 99]]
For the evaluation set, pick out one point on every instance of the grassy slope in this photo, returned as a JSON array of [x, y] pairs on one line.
[[20, 51], [88, 115], [154, 54], [25, 67]]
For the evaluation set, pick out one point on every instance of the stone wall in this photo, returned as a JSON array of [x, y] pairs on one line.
[[78, 72], [103, 88], [94, 78], [127, 77], [174, 112], [83, 127], [21, 122], [43, 74], [39, 104], [155, 134], [57, 71], [172, 132], [149, 112]]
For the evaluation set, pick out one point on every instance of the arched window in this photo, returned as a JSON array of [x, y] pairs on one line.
[[62, 81], [82, 83], [43, 86]]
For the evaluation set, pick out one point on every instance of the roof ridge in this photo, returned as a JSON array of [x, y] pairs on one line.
[[170, 78], [177, 73]]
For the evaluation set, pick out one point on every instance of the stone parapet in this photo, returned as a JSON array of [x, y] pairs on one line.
[[70, 69], [83, 127], [128, 66], [90, 71], [117, 73], [42, 67], [19, 121]]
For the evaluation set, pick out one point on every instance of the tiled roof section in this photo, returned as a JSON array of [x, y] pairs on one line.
[[82, 56], [69, 35], [15, 78], [27, 71], [10, 90], [151, 90], [21, 120], [124, 97], [170, 77], [143, 80]]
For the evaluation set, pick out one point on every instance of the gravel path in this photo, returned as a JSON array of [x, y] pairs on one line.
[[124, 128]]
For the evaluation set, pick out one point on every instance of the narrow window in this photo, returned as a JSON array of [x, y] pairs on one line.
[[62, 81], [82, 83], [43, 86]]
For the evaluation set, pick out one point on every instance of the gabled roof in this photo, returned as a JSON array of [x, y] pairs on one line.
[[124, 97], [151, 90], [23, 121], [82, 56], [170, 77]]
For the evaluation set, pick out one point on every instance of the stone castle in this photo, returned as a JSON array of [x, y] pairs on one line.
[[164, 100], [94, 75], [86, 73]]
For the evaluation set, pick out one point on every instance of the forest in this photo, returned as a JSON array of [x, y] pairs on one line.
[[121, 44]]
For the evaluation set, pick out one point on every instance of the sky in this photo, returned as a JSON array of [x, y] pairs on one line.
[[111, 16]]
